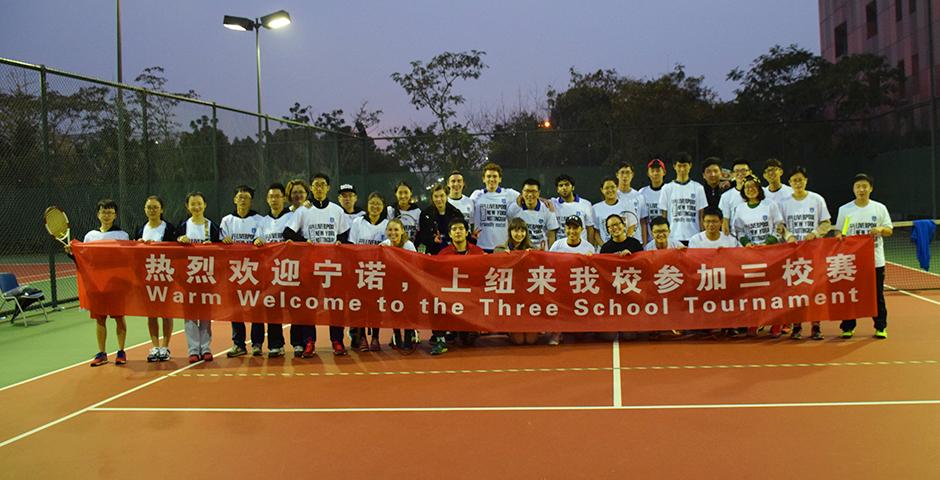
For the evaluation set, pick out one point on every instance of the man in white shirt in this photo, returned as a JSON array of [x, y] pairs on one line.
[[712, 236], [656, 172], [567, 204], [347, 200], [659, 230], [775, 189], [864, 216], [741, 169], [491, 209], [540, 222], [634, 200], [456, 197], [682, 200], [271, 230], [242, 226]]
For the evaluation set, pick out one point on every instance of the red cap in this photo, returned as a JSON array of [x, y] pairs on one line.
[[656, 163]]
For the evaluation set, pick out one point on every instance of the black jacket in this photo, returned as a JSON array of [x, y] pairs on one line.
[[431, 223]]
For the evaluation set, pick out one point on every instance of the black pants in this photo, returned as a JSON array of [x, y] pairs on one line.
[[881, 320], [275, 334]]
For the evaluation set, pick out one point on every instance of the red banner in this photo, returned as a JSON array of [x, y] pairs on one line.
[[371, 286]]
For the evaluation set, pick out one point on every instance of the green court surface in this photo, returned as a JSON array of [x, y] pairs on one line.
[[67, 339]]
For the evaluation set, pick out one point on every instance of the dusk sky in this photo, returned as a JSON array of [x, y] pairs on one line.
[[339, 54]]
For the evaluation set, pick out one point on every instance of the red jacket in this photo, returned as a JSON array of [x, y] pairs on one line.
[[471, 250]]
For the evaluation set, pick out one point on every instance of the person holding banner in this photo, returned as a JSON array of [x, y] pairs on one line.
[[459, 232], [156, 229], [712, 236], [519, 242], [756, 220], [369, 230], [619, 242], [398, 237], [572, 243], [805, 217], [197, 229], [347, 199], [864, 216], [241, 226], [271, 230], [659, 230], [106, 211], [540, 222], [323, 222]]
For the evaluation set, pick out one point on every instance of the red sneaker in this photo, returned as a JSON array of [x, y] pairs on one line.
[[193, 358], [309, 350], [101, 358], [338, 348], [207, 357], [120, 358]]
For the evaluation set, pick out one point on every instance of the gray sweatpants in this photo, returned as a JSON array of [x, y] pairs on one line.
[[198, 336]]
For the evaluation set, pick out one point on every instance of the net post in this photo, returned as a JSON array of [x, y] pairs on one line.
[[44, 118]]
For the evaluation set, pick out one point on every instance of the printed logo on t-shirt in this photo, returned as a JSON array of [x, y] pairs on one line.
[[812, 209], [874, 218]]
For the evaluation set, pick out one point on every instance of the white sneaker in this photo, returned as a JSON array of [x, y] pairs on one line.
[[164, 354], [153, 355], [298, 351], [554, 338], [277, 352]]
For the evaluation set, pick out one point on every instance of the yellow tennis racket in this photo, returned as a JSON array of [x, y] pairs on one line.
[[57, 224]]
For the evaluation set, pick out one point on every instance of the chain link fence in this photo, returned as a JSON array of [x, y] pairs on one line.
[[70, 140]]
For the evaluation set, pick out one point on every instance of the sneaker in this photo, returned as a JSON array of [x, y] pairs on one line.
[[363, 345], [275, 352], [298, 351], [817, 335], [848, 333], [881, 334], [153, 355], [554, 338], [120, 358], [310, 350], [439, 347], [193, 358], [101, 358], [256, 351], [375, 346], [796, 335], [207, 357], [338, 348], [164, 354], [236, 351]]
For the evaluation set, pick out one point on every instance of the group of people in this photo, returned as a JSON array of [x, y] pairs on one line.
[[719, 213]]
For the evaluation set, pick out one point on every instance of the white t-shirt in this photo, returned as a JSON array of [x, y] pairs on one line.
[[242, 230], [756, 223], [464, 204], [784, 192], [580, 208], [352, 216], [320, 225], [539, 221], [700, 240], [363, 232], [198, 233], [651, 245], [95, 235], [861, 220], [409, 218], [152, 234], [636, 204], [491, 216], [271, 229], [409, 245], [562, 246], [682, 202], [626, 208], [651, 195], [728, 202], [803, 216]]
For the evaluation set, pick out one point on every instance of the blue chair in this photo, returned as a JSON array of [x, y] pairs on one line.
[[22, 296]]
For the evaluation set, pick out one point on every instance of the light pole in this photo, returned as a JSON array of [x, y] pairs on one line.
[[270, 21]]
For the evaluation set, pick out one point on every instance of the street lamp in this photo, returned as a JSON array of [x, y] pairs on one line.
[[270, 21]]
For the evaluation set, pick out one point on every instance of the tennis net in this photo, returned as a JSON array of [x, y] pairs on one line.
[[903, 269]]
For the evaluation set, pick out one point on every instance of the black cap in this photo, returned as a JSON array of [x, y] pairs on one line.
[[347, 187], [574, 221]]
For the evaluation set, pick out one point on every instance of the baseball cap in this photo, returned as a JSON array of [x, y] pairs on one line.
[[656, 163], [574, 221], [346, 187]]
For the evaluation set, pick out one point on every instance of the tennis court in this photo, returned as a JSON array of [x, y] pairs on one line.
[[861, 408]]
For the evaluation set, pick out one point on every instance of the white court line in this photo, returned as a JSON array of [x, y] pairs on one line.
[[930, 300], [77, 364], [618, 398], [693, 406], [98, 404]]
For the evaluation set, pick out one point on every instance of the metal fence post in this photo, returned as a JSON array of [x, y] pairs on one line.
[[47, 161], [122, 161], [215, 160], [145, 138]]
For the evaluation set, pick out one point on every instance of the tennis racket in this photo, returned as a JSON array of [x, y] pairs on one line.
[[57, 223], [632, 222]]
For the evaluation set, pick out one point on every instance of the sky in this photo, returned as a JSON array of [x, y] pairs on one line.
[[340, 54]]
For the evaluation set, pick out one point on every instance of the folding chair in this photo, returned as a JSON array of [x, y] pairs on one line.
[[22, 296]]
